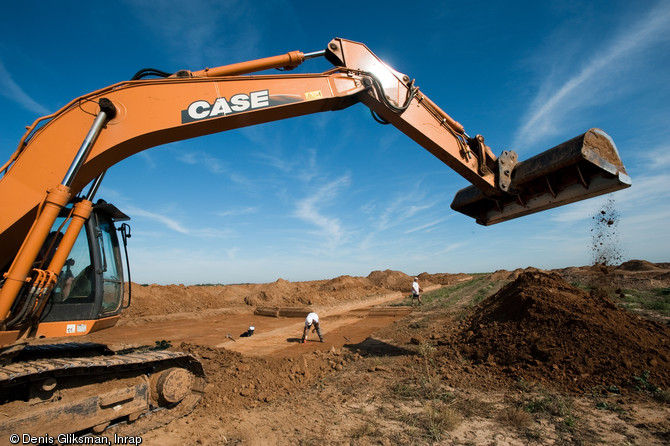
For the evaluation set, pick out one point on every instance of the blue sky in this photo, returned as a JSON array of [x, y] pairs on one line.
[[336, 193]]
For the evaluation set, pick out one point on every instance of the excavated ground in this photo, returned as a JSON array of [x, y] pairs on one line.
[[509, 358]]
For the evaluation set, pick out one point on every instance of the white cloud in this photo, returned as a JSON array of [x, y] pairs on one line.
[[238, 211], [198, 158], [177, 226], [655, 158], [215, 166], [193, 32], [164, 220], [555, 102], [12, 91], [309, 210], [430, 224]]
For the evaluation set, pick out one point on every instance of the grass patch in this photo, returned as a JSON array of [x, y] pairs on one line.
[[483, 293], [515, 418], [642, 384], [476, 289], [653, 300], [549, 404], [438, 418], [656, 300], [425, 385]]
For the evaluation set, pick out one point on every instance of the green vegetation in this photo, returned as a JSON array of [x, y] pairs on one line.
[[438, 415], [656, 300], [446, 296]]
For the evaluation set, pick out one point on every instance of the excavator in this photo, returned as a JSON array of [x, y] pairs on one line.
[[62, 249]]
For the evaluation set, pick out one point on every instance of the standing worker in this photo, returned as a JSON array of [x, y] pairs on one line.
[[312, 321], [416, 290]]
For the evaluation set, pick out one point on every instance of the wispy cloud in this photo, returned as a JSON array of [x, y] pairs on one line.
[[555, 101], [430, 224], [402, 208], [644, 197], [238, 211], [655, 158], [303, 166], [205, 160], [193, 32], [214, 165], [13, 91], [162, 219], [275, 161], [310, 210], [177, 226]]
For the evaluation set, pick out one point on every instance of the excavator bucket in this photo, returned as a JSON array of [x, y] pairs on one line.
[[583, 167]]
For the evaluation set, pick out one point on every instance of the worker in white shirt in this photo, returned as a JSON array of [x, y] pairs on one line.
[[311, 321], [416, 291]]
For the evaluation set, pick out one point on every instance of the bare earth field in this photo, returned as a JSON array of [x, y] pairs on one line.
[[525, 357]]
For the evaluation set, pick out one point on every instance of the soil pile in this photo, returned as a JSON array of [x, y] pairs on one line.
[[503, 274], [152, 300], [442, 278], [638, 265], [391, 280], [541, 328], [236, 381], [631, 275], [158, 300], [280, 291]]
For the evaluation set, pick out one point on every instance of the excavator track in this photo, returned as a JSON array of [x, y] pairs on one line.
[[57, 392]]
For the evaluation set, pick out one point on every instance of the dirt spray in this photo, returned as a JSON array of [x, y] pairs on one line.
[[605, 246]]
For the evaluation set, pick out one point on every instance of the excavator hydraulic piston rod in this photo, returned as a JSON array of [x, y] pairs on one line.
[[107, 112]]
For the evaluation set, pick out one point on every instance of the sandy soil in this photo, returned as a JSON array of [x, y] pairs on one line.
[[509, 358]]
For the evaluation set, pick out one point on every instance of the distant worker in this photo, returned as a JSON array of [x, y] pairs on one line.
[[416, 291], [311, 321]]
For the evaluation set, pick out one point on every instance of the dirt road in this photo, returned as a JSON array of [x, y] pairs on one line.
[[347, 323]]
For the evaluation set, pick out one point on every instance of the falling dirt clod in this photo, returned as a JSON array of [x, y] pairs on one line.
[[605, 243]]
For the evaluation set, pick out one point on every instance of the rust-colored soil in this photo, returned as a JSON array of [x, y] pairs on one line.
[[541, 328], [539, 361]]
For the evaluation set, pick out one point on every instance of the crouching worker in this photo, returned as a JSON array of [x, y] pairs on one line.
[[312, 321]]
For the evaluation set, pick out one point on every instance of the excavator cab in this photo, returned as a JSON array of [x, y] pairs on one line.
[[91, 284]]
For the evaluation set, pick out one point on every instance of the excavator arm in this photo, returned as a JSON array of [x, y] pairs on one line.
[[126, 118]]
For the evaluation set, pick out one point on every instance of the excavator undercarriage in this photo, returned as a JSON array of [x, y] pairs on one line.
[[71, 388]]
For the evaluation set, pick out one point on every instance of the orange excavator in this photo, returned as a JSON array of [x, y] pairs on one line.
[[61, 256]]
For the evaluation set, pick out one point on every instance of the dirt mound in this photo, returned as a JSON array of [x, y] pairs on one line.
[[149, 300], [236, 381], [638, 265], [502, 274], [541, 328], [158, 300], [281, 292], [442, 278], [633, 275], [346, 283], [391, 280]]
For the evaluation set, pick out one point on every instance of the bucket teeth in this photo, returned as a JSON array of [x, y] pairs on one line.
[[583, 167]]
